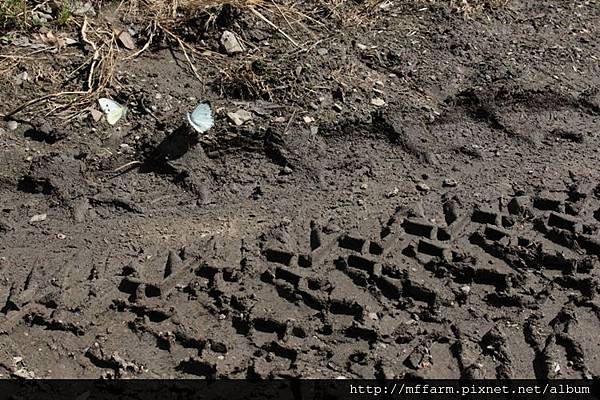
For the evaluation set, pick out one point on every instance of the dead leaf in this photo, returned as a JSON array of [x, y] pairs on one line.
[[50, 39]]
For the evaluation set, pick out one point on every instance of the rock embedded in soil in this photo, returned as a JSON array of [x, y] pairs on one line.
[[12, 125], [38, 218], [230, 43], [422, 187], [239, 117], [378, 102], [126, 40], [448, 182], [85, 9]]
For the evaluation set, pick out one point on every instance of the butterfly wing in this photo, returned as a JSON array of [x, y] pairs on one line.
[[201, 118], [113, 110]]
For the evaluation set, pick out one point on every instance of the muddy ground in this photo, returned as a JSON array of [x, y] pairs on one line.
[[453, 231]]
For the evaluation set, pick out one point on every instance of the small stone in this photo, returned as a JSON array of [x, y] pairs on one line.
[[286, 170], [361, 46], [308, 119], [337, 107], [38, 218], [96, 115], [125, 147], [230, 43], [449, 183], [393, 193], [12, 125], [322, 52], [22, 77], [42, 17], [373, 316], [314, 130], [126, 40], [239, 117], [423, 187], [465, 289], [23, 374], [85, 9], [378, 102], [61, 236]]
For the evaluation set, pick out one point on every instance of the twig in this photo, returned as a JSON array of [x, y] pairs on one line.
[[147, 45], [96, 53], [127, 166], [259, 15], [283, 15], [289, 122], [39, 99], [182, 45]]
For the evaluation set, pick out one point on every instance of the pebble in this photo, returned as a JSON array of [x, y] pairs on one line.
[[126, 40], [378, 102], [230, 43], [96, 115], [392, 193], [322, 52], [314, 130], [239, 117], [337, 107], [308, 119], [286, 170], [466, 289], [423, 187], [449, 183], [22, 77], [61, 236], [38, 218], [85, 9], [12, 125]]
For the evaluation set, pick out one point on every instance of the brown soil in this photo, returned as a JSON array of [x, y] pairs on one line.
[[453, 232]]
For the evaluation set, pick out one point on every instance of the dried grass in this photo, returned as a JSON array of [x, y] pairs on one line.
[[162, 20]]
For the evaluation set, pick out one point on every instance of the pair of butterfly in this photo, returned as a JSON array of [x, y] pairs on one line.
[[201, 119]]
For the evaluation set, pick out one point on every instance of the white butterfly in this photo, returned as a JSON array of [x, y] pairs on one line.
[[201, 118], [113, 110]]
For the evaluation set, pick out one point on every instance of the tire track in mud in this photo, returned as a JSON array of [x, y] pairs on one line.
[[413, 297]]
